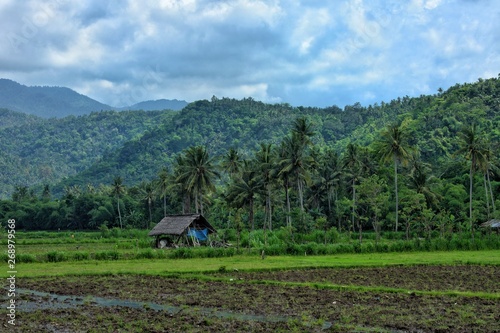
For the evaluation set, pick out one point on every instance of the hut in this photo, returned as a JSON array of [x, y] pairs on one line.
[[174, 229], [493, 224]]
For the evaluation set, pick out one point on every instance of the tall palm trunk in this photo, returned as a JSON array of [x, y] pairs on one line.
[[491, 191], [470, 197], [119, 212], [353, 203], [396, 190], [287, 194]]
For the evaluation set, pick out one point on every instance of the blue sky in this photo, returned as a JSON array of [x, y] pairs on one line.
[[310, 53]]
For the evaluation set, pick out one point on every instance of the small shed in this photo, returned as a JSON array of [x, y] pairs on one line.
[[494, 224], [194, 228]]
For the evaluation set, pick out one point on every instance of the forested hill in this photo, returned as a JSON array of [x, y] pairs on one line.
[[95, 148], [44, 151], [160, 104], [219, 124], [46, 102]]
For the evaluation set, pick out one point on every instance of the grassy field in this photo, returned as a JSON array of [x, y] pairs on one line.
[[413, 291], [245, 262]]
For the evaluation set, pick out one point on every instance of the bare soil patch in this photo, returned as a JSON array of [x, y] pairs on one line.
[[302, 308]]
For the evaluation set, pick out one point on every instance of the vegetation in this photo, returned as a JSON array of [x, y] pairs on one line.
[[272, 167]]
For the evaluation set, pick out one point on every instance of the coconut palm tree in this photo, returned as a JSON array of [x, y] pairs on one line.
[[148, 193], [264, 159], [393, 145], [117, 190], [474, 150], [231, 162], [352, 163], [162, 186], [197, 173], [244, 188]]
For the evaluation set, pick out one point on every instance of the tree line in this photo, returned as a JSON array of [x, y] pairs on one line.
[[298, 183]]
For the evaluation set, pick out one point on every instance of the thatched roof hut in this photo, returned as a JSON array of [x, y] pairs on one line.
[[493, 224], [193, 226]]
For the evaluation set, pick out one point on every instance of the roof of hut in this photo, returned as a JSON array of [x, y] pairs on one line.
[[177, 224], [494, 223]]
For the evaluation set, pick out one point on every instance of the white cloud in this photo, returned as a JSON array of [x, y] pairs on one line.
[[296, 51]]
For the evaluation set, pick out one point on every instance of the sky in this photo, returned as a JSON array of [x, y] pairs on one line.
[[301, 52]]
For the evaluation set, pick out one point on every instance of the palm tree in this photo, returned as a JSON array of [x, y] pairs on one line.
[[393, 145], [473, 148], [330, 173], [148, 193], [486, 167], [297, 163], [179, 185], [231, 162], [197, 174], [117, 190], [243, 189], [420, 181], [162, 185], [264, 160], [353, 163]]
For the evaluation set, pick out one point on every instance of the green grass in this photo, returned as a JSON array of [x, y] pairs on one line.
[[244, 262]]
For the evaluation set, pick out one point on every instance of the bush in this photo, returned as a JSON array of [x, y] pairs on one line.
[[56, 256], [181, 253], [80, 256], [107, 255], [25, 258], [146, 254]]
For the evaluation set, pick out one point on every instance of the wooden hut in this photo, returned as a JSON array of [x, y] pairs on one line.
[[174, 229], [493, 224]]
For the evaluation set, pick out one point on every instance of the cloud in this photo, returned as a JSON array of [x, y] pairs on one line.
[[301, 52]]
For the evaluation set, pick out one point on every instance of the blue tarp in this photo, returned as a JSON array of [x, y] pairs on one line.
[[201, 235]]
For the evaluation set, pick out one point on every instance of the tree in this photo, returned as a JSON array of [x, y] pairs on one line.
[[372, 193], [330, 173], [420, 180], [393, 145], [162, 186], [117, 190], [353, 163], [243, 189], [231, 162], [197, 173], [264, 164], [148, 193], [473, 149]]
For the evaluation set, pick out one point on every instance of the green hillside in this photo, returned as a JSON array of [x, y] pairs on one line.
[[425, 165], [35, 151], [225, 123], [46, 102]]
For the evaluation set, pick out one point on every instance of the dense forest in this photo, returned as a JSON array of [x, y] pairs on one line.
[[36, 151], [422, 165]]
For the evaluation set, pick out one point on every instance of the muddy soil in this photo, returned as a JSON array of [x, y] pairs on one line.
[[302, 308], [425, 278]]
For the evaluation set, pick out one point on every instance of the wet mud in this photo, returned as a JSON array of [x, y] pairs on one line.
[[263, 302]]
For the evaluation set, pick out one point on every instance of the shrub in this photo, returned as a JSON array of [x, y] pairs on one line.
[[107, 255], [56, 256], [25, 258], [146, 254], [80, 256]]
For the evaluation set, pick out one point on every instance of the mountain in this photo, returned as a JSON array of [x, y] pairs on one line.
[[46, 102], [95, 148], [35, 151], [160, 104], [433, 121], [59, 102]]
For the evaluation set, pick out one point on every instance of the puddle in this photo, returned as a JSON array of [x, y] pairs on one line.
[[44, 300]]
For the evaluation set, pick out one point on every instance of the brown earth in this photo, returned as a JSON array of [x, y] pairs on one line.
[[290, 308]]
